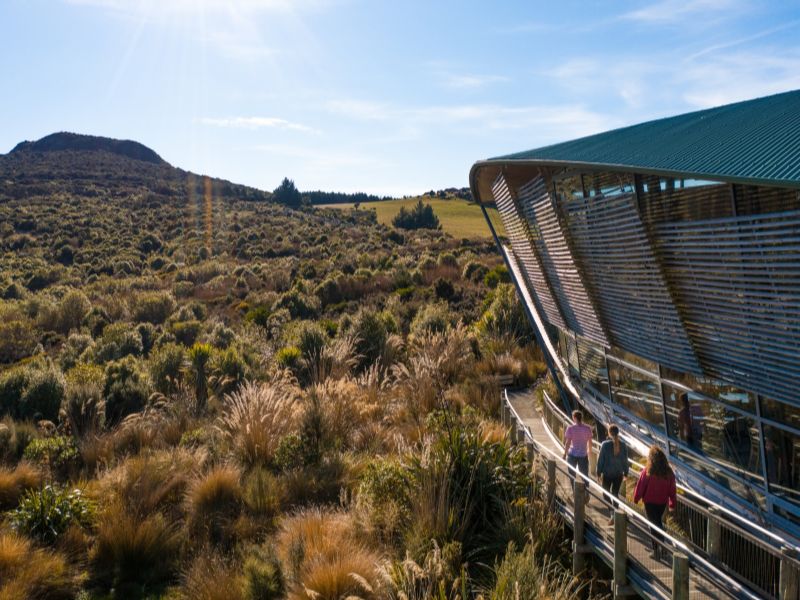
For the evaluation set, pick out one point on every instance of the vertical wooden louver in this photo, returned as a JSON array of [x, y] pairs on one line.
[[737, 280], [614, 251], [521, 244], [557, 261]]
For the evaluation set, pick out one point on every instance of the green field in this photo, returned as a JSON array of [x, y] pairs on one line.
[[458, 217]]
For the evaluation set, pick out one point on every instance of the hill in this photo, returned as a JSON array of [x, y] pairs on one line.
[[91, 166]]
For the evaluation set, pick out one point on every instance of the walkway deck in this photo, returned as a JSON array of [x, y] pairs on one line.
[[651, 578]]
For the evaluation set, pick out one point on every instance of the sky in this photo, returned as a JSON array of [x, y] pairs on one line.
[[382, 96]]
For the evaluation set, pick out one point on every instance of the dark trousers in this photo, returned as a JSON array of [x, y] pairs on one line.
[[612, 484], [655, 514], [579, 462]]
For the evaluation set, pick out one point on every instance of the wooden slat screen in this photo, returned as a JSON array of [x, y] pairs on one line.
[[557, 261], [614, 251], [737, 281], [522, 245]]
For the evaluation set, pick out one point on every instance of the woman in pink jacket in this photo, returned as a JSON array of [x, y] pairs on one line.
[[656, 487]]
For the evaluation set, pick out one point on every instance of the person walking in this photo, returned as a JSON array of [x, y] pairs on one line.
[[656, 488], [612, 464], [578, 443]]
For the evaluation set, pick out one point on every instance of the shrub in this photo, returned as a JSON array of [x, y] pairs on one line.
[[256, 417], [15, 482], [384, 495], [74, 347], [496, 276], [230, 371], [444, 289], [289, 357], [299, 305], [523, 574], [370, 334], [505, 318], [186, 332], [84, 409], [46, 514], [432, 318], [126, 389], [166, 365], [419, 217], [118, 341], [18, 339], [43, 394], [153, 307], [30, 572], [12, 386], [58, 452]]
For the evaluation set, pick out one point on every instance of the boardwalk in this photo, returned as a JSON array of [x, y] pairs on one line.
[[649, 577]]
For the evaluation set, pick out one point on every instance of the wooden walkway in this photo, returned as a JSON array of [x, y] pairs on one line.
[[651, 578]]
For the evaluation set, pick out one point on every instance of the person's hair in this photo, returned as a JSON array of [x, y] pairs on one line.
[[657, 463], [613, 431], [577, 415]]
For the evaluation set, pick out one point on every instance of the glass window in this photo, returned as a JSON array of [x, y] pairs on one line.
[[785, 414], [637, 392], [782, 456], [749, 491], [608, 184], [569, 188], [638, 361], [572, 355], [593, 365], [727, 394], [711, 429]]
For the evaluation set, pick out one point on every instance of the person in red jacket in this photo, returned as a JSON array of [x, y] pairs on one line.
[[656, 487]]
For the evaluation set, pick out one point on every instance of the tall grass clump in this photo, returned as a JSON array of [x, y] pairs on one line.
[[15, 482], [256, 417], [28, 572], [525, 574]]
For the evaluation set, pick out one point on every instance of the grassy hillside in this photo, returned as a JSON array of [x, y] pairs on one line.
[[459, 218]]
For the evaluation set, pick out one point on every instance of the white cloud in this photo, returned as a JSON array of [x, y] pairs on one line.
[[472, 81], [255, 123], [206, 6], [674, 11]]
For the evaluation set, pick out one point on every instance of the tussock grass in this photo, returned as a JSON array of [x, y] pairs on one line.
[[28, 572], [15, 482], [256, 417]]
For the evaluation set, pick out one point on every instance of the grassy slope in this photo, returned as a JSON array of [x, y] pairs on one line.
[[459, 218]]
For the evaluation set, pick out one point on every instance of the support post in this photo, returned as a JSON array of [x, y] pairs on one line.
[[713, 534], [551, 481], [531, 452], [680, 576], [789, 583], [578, 549], [621, 589]]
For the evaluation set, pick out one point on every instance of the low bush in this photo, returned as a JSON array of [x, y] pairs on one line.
[[47, 513], [213, 502], [58, 453], [15, 482], [153, 307], [262, 577], [523, 574]]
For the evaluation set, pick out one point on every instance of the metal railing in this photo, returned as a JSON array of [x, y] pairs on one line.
[[724, 558]]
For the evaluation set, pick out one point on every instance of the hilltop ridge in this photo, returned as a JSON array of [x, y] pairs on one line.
[[64, 140]]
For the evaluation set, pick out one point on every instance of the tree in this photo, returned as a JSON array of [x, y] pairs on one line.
[[421, 216], [286, 193]]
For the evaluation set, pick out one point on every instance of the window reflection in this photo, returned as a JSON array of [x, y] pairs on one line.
[[782, 458], [637, 392], [642, 363], [729, 394], [593, 365]]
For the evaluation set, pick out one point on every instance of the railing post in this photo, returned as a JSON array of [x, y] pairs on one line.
[[551, 481], [578, 549], [531, 452], [680, 576], [621, 589], [788, 585], [713, 534]]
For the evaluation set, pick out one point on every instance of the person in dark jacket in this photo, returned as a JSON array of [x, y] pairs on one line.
[[656, 487], [612, 463]]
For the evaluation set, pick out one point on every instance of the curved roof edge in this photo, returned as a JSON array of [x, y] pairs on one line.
[[753, 142]]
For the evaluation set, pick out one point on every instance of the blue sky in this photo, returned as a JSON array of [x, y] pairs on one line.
[[380, 96]]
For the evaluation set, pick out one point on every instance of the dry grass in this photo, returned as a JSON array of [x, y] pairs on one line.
[[28, 572], [256, 417], [153, 481], [324, 561], [213, 504], [14, 482], [131, 550], [210, 577]]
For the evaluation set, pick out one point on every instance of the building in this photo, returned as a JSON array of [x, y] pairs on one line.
[[660, 264]]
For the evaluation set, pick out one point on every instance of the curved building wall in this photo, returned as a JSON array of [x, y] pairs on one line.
[[652, 288]]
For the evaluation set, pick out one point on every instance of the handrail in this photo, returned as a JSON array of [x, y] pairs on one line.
[[731, 583], [745, 529]]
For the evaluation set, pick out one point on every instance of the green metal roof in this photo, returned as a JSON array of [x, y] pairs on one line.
[[756, 141]]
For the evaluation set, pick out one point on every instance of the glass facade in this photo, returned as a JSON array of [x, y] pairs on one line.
[[694, 275]]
